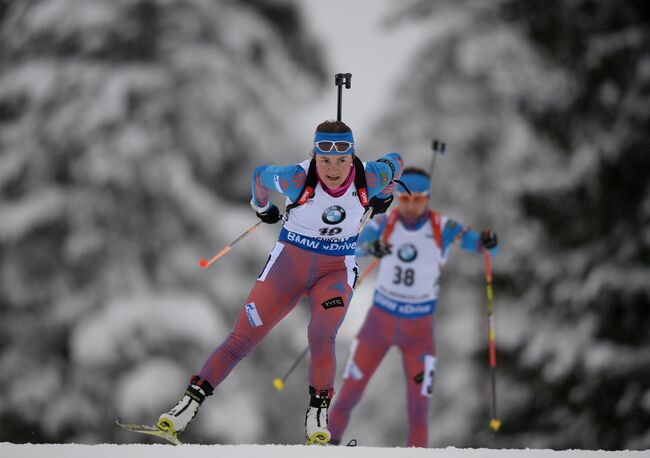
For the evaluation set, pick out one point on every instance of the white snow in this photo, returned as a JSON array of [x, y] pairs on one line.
[[132, 324], [285, 451], [39, 208]]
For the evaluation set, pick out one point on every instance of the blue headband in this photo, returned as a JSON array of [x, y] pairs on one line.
[[333, 137], [415, 182]]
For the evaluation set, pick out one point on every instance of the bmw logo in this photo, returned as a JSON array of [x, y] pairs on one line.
[[333, 215], [407, 252]]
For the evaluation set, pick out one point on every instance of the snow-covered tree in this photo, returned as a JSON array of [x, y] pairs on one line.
[[128, 133], [545, 107]]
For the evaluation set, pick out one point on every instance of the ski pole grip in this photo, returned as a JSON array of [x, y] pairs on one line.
[[438, 146], [341, 79]]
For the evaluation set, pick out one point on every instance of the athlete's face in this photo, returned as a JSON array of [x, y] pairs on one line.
[[333, 169], [412, 206]]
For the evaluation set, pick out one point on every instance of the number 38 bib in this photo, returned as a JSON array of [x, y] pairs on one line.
[[407, 282]]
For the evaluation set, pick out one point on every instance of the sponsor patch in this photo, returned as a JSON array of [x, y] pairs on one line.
[[384, 179], [390, 164], [252, 315], [363, 196], [333, 215], [407, 252], [344, 246], [334, 302]]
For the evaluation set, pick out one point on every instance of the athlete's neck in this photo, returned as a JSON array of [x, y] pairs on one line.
[[413, 223], [338, 192]]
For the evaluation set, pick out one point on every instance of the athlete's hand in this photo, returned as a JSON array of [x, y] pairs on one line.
[[379, 249], [488, 239], [269, 214], [380, 205]]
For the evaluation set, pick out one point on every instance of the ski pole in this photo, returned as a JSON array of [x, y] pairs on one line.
[[204, 263], [495, 423], [278, 383], [366, 272], [341, 79], [438, 147], [365, 219]]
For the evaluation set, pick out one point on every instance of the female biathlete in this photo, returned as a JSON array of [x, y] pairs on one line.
[[326, 199], [413, 244]]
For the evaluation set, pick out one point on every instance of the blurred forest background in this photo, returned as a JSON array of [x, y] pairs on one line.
[[128, 133]]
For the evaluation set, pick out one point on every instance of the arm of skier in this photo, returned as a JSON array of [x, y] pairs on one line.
[[467, 238], [287, 180], [381, 173], [370, 234]]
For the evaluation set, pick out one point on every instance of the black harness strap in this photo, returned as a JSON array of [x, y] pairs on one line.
[[360, 182], [308, 189]]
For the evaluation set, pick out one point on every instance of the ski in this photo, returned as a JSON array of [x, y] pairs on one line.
[[150, 430], [351, 443], [173, 438]]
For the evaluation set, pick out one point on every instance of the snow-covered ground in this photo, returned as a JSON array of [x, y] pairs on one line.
[[284, 451]]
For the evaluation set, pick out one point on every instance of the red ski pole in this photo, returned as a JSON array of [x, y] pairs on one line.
[[495, 423], [204, 263], [365, 273]]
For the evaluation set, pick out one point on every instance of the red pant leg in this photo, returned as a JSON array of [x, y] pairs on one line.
[[370, 347], [329, 296], [418, 352], [281, 284]]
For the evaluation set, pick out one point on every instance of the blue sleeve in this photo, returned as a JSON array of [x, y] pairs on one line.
[[381, 173], [370, 233], [467, 238], [285, 179]]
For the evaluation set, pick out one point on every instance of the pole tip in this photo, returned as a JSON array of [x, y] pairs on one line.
[[278, 384], [203, 263], [495, 424]]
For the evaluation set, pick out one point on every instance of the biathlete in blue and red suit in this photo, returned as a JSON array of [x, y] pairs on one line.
[[326, 198], [413, 244]]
